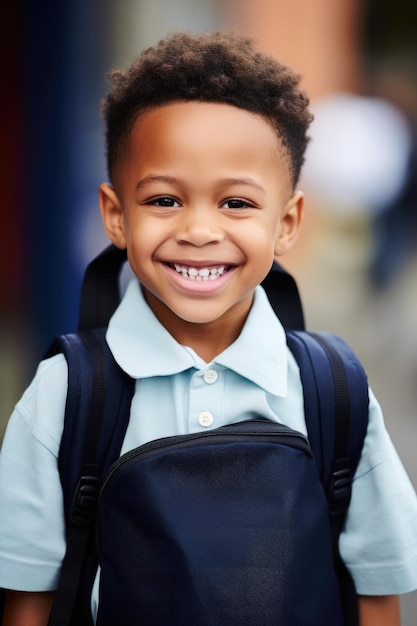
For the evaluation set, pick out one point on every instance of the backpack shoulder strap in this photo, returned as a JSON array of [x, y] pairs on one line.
[[335, 398], [336, 406], [96, 418], [100, 291], [284, 297]]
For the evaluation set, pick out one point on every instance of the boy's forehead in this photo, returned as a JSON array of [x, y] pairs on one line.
[[209, 142], [212, 122], [187, 110]]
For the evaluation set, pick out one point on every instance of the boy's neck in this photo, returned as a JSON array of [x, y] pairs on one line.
[[207, 339], [208, 342]]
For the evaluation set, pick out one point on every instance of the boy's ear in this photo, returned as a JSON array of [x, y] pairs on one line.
[[112, 215], [290, 223]]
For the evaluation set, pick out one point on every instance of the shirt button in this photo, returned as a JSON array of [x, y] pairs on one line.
[[205, 419], [210, 377]]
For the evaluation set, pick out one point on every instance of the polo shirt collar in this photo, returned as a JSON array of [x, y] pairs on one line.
[[140, 344], [260, 351], [144, 348]]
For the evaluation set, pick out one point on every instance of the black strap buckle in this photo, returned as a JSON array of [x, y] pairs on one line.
[[340, 490], [84, 504]]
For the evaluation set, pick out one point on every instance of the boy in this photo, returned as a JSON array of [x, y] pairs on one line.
[[205, 140]]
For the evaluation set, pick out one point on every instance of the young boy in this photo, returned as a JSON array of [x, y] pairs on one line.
[[205, 140]]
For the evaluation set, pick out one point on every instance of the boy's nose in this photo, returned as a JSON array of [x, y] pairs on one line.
[[199, 229]]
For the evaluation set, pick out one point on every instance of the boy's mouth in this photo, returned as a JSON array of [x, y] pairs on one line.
[[211, 272]]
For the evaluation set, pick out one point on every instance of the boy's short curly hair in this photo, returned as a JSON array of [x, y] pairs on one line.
[[218, 67]]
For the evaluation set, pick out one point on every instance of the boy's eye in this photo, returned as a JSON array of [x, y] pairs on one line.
[[164, 201], [236, 203]]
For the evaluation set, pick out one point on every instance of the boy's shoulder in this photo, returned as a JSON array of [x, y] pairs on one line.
[[47, 386], [40, 410]]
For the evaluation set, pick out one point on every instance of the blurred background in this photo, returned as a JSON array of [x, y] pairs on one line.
[[355, 261]]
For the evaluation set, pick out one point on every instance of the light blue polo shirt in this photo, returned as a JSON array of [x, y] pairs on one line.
[[177, 392]]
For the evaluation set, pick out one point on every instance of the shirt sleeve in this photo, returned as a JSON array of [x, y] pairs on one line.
[[379, 542], [32, 528]]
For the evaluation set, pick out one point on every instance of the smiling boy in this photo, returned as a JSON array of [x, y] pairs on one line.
[[206, 139], [202, 203]]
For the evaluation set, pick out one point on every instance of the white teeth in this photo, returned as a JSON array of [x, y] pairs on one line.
[[203, 273]]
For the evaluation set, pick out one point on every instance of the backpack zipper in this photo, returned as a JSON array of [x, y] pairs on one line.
[[263, 429]]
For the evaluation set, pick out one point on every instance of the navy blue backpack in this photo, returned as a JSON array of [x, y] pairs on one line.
[[235, 526]]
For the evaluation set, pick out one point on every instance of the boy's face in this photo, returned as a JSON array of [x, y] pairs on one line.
[[202, 201]]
